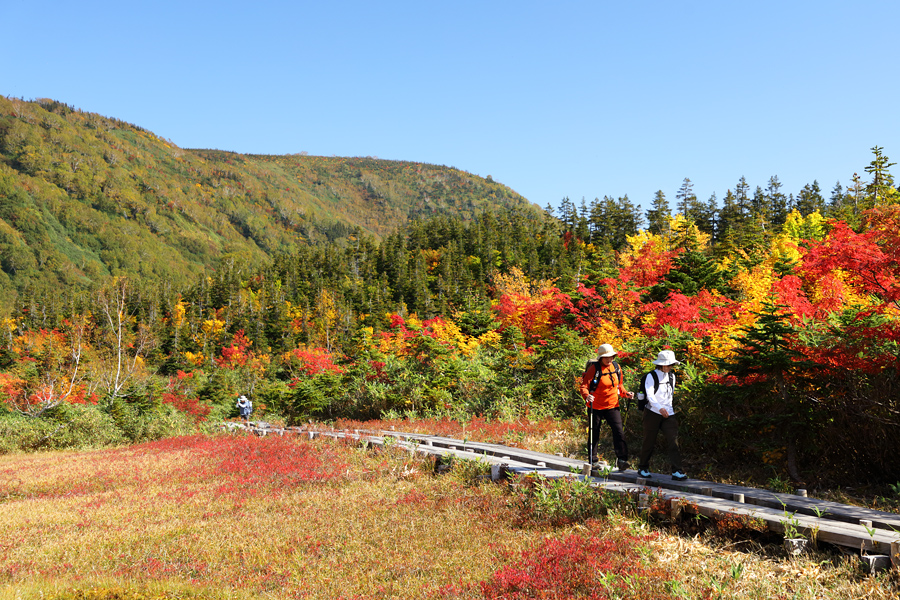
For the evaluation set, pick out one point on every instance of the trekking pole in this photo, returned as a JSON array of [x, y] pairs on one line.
[[590, 429]]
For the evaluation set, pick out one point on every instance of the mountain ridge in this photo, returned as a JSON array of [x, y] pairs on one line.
[[84, 197]]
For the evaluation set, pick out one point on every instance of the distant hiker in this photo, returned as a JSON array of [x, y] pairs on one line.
[[601, 386], [659, 414], [245, 406]]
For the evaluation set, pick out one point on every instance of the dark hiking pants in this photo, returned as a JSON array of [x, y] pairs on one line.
[[653, 423], [613, 417]]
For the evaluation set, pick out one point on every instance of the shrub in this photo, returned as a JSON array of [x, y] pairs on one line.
[[564, 500], [470, 472], [64, 426]]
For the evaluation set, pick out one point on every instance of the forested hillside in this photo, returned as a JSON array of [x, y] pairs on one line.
[[84, 197]]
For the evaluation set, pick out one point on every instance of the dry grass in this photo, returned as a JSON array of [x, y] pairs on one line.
[[246, 517]]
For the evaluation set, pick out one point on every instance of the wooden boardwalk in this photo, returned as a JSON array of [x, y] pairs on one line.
[[872, 532]]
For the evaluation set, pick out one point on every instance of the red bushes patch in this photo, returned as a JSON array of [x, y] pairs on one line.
[[606, 566]]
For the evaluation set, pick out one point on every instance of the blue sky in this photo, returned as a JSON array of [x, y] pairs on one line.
[[554, 99]]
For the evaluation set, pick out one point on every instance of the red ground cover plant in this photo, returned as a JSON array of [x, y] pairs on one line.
[[600, 566]]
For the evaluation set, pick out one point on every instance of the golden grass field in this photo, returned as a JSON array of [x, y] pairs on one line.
[[236, 516]]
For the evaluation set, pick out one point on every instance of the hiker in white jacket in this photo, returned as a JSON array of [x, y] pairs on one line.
[[659, 415]]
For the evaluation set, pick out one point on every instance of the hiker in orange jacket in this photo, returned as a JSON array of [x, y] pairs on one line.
[[601, 387]]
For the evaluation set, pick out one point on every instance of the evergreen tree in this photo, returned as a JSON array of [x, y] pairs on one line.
[[771, 400], [692, 270], [685, 198], [759, 207], [839, 205], [658, 214], [778, 203], [582, 228], [614, 221], [837, 196], [882, 184], [568, 214], [729, 217], [810, 199], [708, 221], [742, 199]]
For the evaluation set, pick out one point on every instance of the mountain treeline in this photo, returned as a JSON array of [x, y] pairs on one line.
[[85, 197]]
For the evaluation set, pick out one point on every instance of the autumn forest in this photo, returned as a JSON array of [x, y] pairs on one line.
[[144, 287]]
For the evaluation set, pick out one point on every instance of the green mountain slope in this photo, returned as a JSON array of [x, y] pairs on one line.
[[83, 197]]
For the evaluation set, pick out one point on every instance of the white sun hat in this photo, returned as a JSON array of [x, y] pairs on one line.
[[605, 350], [665, 358]]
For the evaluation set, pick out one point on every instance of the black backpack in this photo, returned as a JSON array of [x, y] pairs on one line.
[[642, 402], [598, 373]]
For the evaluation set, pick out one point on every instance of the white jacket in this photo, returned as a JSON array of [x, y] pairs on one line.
[[662, 397]]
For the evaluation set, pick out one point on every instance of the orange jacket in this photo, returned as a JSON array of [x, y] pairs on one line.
[[608, 390]]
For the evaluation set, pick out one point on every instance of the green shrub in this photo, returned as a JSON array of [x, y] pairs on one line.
[[470, 472], [64, 426], [558, 501]]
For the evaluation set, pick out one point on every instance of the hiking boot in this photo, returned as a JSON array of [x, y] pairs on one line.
[[679, 476], [622, 464], [644, 473]]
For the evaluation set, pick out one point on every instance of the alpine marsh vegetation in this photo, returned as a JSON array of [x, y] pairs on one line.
[[280, 517]]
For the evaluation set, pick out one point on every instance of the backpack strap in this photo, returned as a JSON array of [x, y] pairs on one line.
[[655, 380], [598, 373]]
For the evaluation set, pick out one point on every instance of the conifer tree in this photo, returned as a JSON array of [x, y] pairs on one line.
[[685, 197], [658, 214], [708, 221], [810, 199], [777, 203], [882, 184], [770, 400]]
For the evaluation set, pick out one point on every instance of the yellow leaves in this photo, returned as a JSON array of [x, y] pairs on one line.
[[394, 343], [490, 339], [608, 332], [178, 313], [10, 324], [721, 343], [798, 227], [413, 322], [196, 359], [784, 248], [213, 327], [680, 227], [432, 258], [835, 289], [448, 331], [755, 285], [519, 284], [637, 241]]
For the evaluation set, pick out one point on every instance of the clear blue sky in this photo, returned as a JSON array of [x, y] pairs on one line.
[[554, 99]]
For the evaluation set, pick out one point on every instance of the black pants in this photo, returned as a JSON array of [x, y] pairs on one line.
[[613, 417], [653, 423]]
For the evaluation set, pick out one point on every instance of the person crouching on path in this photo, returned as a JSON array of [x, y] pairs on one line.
[[659, 414], [601, 387]]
